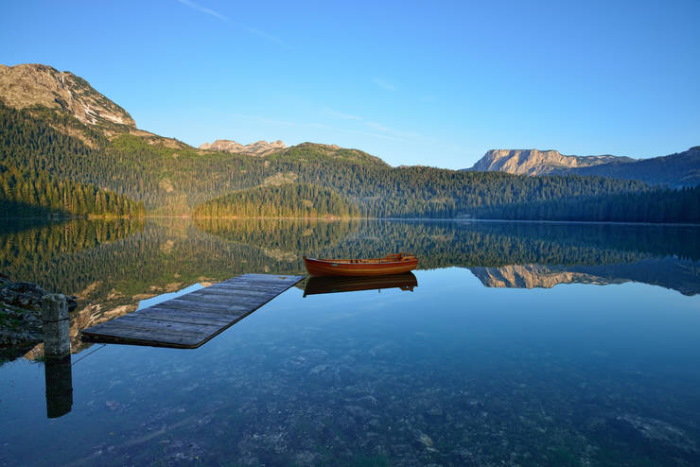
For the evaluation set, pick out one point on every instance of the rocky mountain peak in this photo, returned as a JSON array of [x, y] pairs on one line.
[[536, 162], [27, 85], [259, 148]]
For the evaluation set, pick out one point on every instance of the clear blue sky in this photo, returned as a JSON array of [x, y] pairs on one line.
[[414, 82]]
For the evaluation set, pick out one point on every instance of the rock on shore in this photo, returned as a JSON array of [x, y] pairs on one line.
[[20, 312]]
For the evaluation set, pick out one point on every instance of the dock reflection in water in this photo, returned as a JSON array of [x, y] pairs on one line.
[[324, 285]]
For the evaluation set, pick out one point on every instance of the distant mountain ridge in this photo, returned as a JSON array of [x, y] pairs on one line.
[[259, 148], [681, 169], [536, 162]]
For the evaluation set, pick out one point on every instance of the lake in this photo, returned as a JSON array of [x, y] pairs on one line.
[[512, 344]]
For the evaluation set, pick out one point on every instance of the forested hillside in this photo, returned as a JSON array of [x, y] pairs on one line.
[[287, 200], [25, 193], [661, 205], [172, 178]]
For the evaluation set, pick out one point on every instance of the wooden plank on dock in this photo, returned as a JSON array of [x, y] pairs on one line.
[[190, 320]]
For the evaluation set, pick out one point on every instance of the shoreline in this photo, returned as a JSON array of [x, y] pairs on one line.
[[351, 219]]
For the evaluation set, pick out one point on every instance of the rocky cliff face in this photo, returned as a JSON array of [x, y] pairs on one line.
[[28, 85], [260, 148], [676, 170], [536, 162]]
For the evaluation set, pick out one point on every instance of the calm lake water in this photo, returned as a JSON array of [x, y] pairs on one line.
[[513, 344]]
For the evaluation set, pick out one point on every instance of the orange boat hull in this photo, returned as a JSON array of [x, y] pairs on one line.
[[360, 267]]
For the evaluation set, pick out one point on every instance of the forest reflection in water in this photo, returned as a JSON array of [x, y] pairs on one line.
[[112, 261], [111, 266]]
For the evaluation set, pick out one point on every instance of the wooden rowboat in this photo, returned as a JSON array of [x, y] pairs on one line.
[[390, 264]]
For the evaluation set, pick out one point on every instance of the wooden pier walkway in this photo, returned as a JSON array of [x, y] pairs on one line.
[[190, 320]]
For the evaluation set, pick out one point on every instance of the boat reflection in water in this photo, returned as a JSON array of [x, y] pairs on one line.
[[329, 284]]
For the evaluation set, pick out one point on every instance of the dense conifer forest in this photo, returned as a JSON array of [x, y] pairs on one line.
[[659, 205], [288, 200], [169, 177], [37, 193]]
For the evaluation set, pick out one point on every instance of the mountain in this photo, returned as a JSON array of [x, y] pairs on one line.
[[55, 123], [259, 148], [29, 85], [536, 162], [680, 169], [74, 118], [675, 170]]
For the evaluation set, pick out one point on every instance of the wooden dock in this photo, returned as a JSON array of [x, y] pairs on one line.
[[190, 320]]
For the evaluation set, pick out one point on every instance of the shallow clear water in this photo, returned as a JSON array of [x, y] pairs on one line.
[[469, 368]]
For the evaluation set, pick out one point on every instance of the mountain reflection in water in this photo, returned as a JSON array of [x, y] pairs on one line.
[[669, 272]]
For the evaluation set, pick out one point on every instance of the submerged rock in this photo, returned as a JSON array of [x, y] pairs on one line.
[[425, 440], [658, 435]]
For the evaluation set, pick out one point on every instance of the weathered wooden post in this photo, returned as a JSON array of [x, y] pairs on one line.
[[57, 368], [54, 312]]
